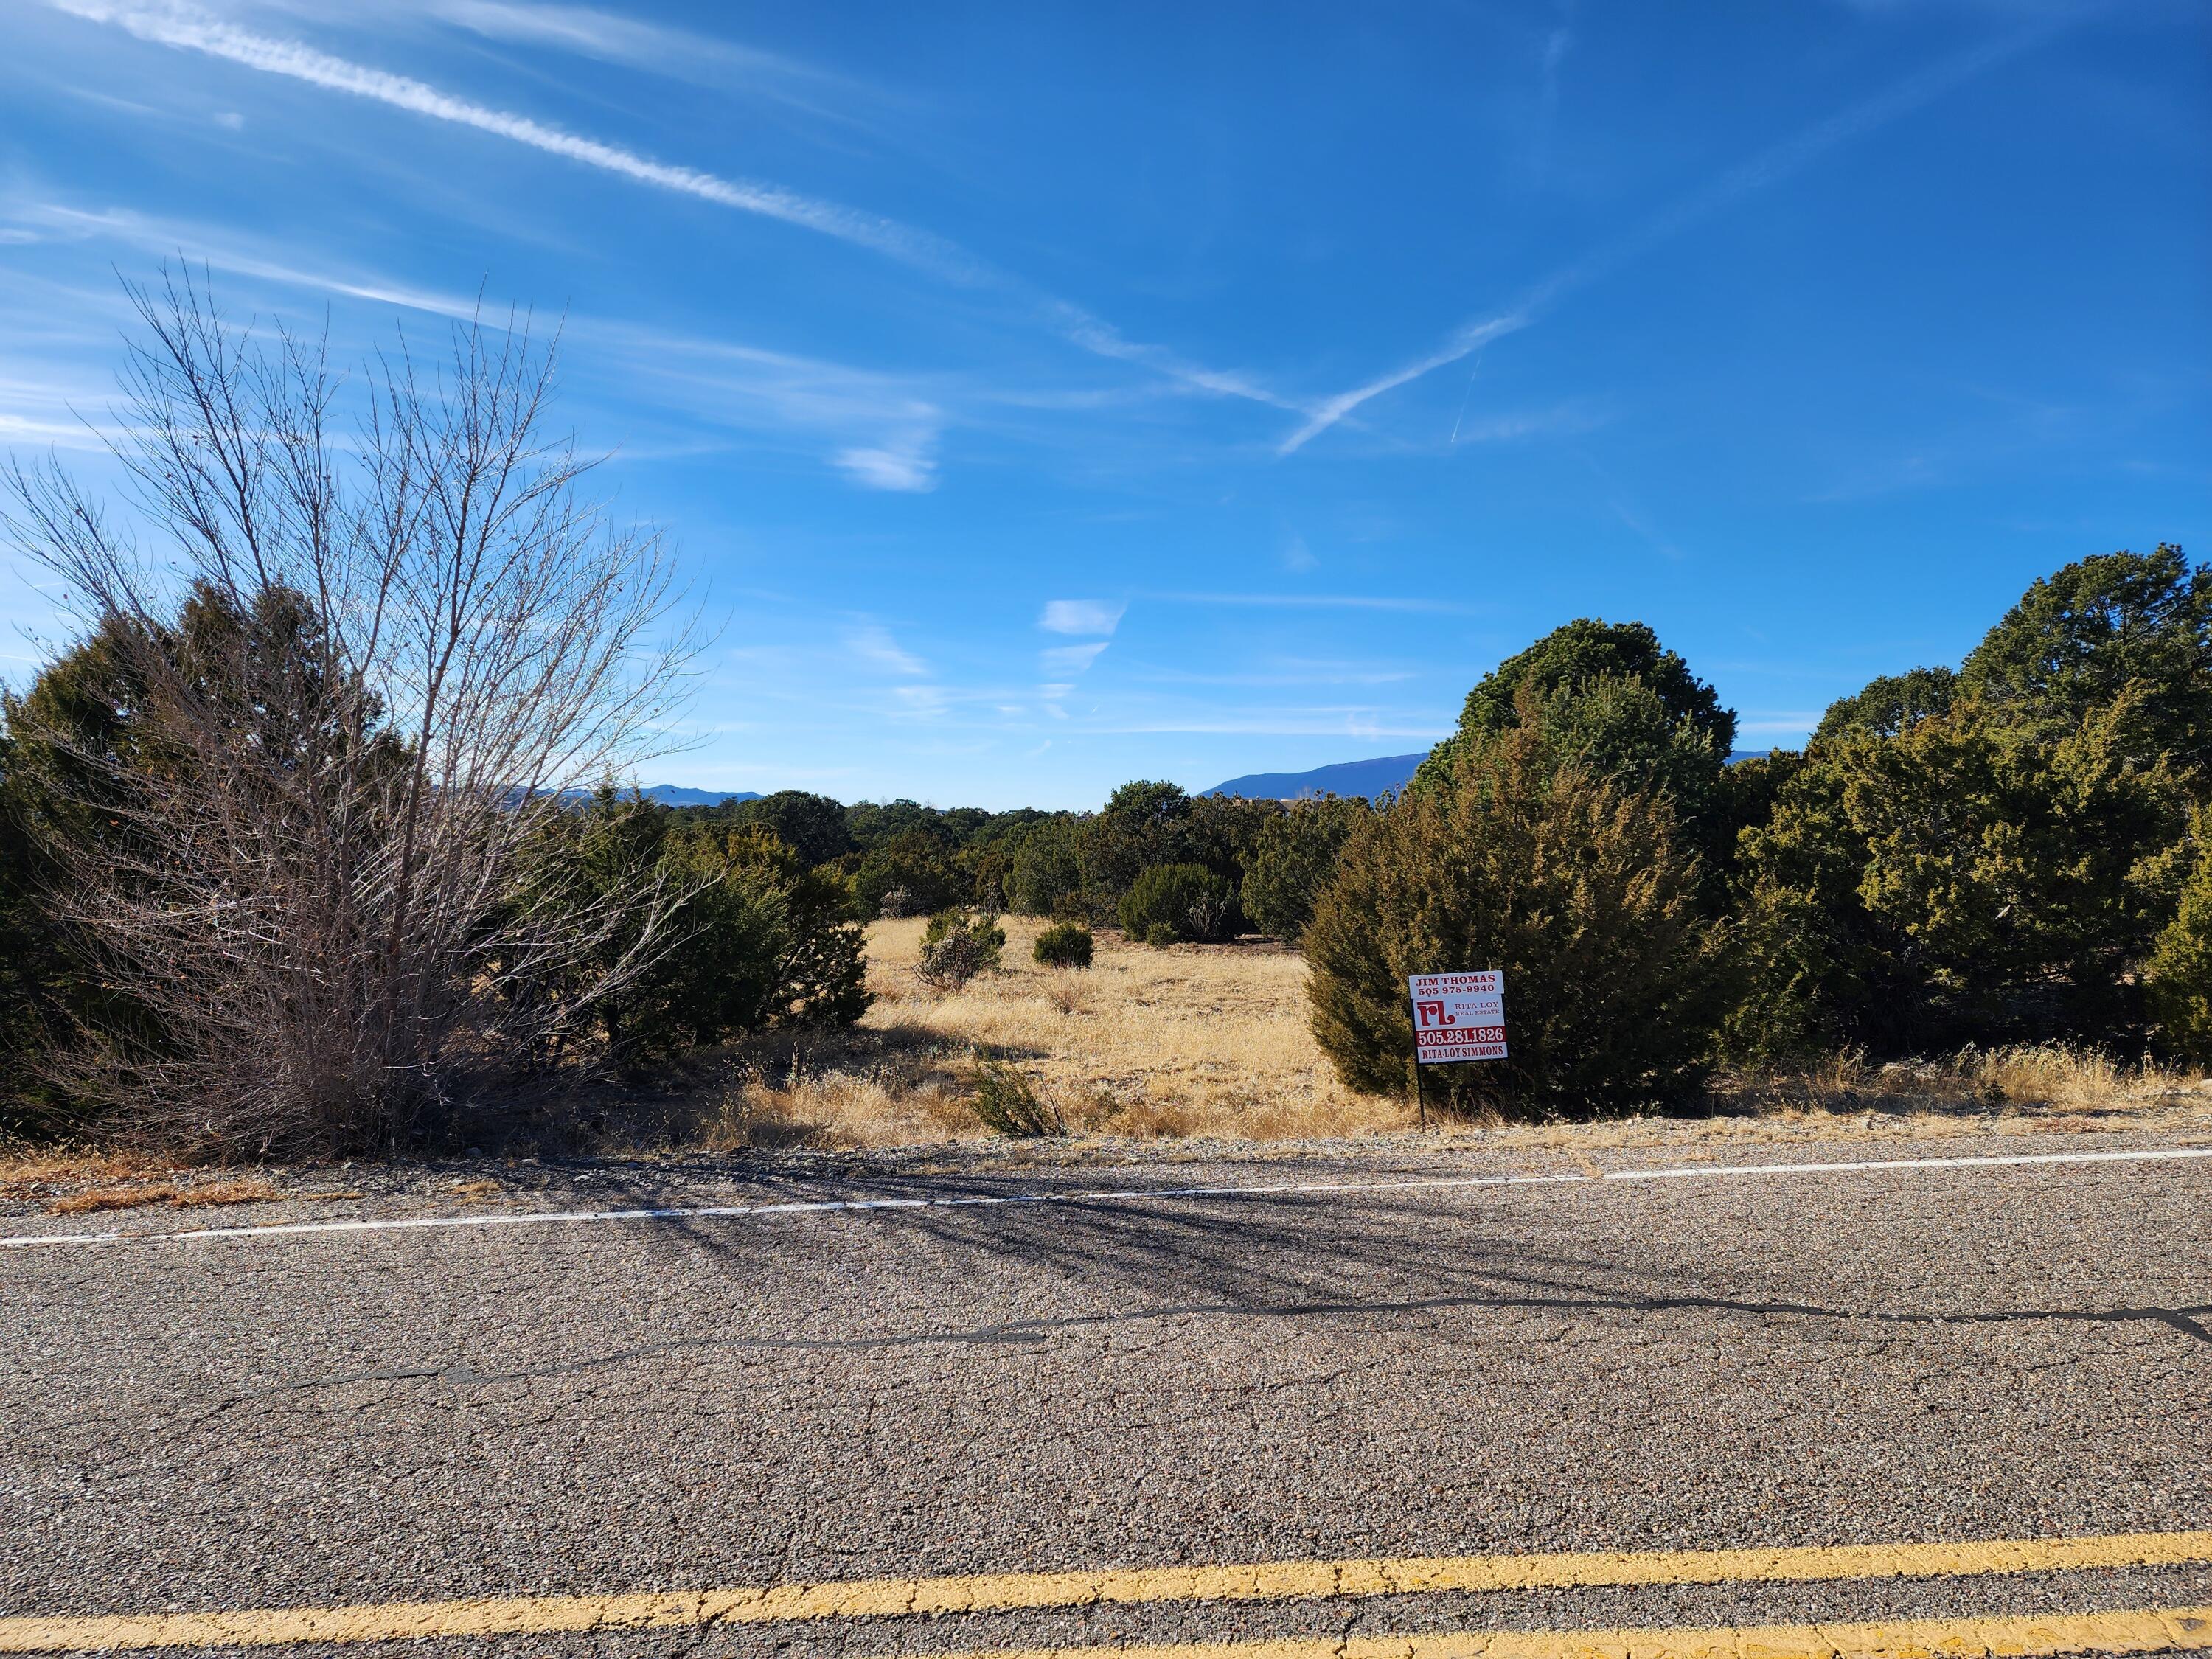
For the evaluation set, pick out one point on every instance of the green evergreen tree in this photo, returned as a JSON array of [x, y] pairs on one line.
[[1891, 703], [2180, 972], [1581, 888], [1293, 861], [1179, 904], [2079, 637]]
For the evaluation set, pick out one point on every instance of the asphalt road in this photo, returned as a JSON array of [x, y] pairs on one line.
[[1859, 1357]]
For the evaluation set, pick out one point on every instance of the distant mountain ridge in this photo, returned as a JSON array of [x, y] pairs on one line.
[[675, 794], [1369, 778]]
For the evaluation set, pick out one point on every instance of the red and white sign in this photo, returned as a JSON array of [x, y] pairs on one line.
[[1458, 1016]]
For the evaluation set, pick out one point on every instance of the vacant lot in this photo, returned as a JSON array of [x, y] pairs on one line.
[[1197, 1039], [1184, 1050], [1213, 1040]]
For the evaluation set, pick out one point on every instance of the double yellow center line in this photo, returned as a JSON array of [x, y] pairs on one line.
[[2170, 1630]]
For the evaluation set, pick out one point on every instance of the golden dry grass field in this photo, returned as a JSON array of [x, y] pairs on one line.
[[1212, 1041], [1192, 1040]]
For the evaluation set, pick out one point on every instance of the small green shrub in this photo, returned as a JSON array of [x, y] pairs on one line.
[[1174, 904], [956, 947], [1008, 1102], [1068, 946]]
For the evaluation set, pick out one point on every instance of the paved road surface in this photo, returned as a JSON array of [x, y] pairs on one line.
[[1718, 1362]]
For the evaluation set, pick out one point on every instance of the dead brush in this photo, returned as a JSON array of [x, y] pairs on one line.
[[1071, 996], [2030, 1079], [164, 1194], [1007, 1103]]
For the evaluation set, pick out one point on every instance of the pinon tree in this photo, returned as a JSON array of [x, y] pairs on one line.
[[348, 677], [1583, 889], [2180, 972], [1992, 857]]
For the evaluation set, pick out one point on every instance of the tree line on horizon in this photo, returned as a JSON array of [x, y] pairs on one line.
[[2010, 851]]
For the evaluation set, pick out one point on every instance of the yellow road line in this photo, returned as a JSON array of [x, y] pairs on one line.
[[2170, 1630], [1006, 1592]]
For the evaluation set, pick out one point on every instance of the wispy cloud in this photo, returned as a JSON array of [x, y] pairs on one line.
[[880, 430], [169, 23], [908, 466], [191, 30], [1291, 671], [1071, 659], [678, 53], [926, 702], [1101, 340], [1769, 167], [167, 237], [1471, 338], [1361, 723], [872, 642], [1080, 616]]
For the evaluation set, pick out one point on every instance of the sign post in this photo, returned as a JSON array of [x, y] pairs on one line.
[[1456, 1017]]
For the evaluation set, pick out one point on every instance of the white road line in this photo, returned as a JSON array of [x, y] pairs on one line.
[[1121, 1195]]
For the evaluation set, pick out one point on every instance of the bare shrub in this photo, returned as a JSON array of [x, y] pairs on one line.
[[956, 947], [1008, 1103], [358, 675]]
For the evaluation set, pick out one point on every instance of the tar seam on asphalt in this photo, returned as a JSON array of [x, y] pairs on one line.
[[2184, 1320]]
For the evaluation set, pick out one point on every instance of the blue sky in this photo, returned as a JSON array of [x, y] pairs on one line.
[[1042, 395]]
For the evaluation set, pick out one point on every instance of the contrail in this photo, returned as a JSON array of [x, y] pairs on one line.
[[1769, 167], [182, 28]]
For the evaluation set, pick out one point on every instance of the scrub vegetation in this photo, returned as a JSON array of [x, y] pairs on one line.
[[309, 846]]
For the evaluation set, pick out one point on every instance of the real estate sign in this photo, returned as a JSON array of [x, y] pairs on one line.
[[1458, 1016]]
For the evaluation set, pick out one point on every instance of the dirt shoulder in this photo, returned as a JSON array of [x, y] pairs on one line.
[[109, 1192]]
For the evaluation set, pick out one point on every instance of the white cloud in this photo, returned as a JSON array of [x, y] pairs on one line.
[[872, 642], [230, 119], [1080, 616], [904, 466], [681, 54], [168, 237], [1071, 659], [191, 30], [1102, 340], [1472, 338], [1323, 602], [165, 22], [921, 702]]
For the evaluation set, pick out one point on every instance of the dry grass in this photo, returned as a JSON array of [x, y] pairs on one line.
[[2047, 1079], [1195, 1040], [32, 1168], [143, 1196], [1213, 1040]]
